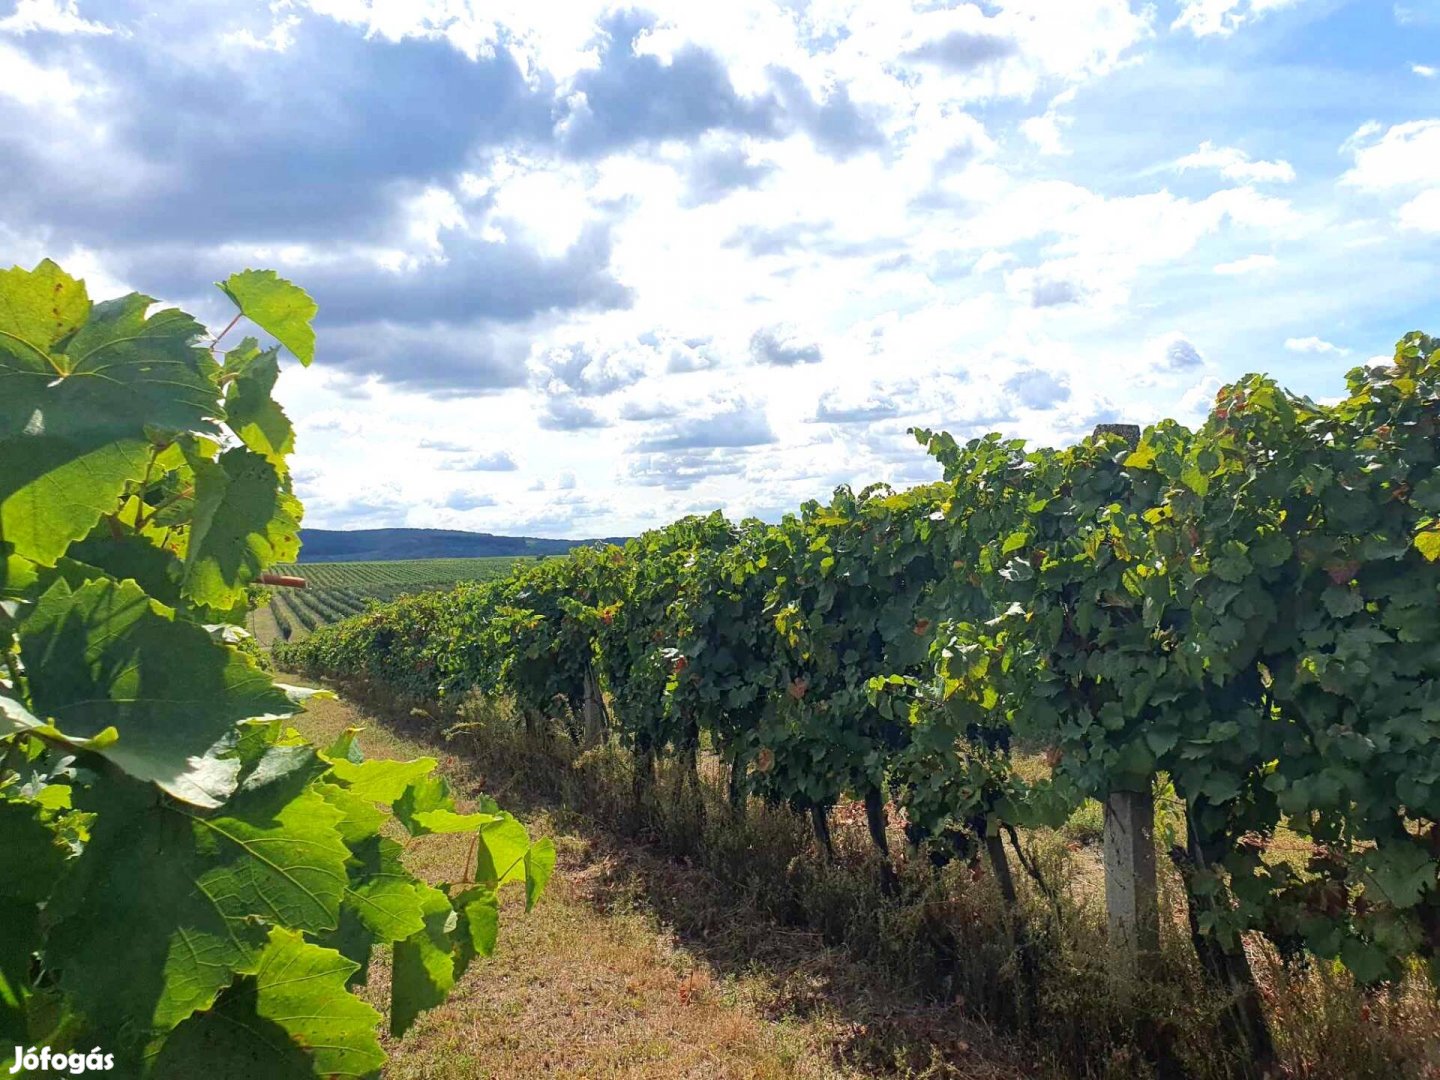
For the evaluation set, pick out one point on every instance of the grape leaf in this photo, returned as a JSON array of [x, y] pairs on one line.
[[106, 656], [293, 1019], [54, 488], [478, 927], [243, 523], [380, 780], [153, 568], [76, 427], [354, 941], [165, 906], [382, 893], [18, 945], [539, 865], [276, 306], [30, 864], [17, 576], [425, 794], [30, 856], [1427, 542], [38, 309], [500, 855], [250, 411], [361, 819], [424, 964]]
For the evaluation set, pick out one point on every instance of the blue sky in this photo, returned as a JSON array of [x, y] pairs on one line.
[[584, 267]]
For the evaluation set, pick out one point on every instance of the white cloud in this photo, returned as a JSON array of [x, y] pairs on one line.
[[1235, 164], [279, 38], [1404, 156], [52, 89], [1045, 131], [1223, 17], [1425, 71], [49, 16], [1314, 345], [1421, 213], [1399, 160], [993, 248], [1247, 265], [1179, 354]]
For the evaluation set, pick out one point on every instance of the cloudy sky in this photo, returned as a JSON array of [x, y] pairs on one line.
[[584, 268]]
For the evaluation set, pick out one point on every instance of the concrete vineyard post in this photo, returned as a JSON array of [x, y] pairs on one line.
[[1131, 897]]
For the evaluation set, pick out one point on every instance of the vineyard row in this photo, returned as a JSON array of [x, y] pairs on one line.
[[1249, 610]]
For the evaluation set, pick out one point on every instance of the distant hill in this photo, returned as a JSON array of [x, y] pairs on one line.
[[371, 545]]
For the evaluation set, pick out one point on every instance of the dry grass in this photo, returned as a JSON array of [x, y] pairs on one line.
[[634, 965], [264, 627]]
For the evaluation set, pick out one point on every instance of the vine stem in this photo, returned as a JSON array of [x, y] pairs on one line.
[[17, 679], [166, 503], [140, 518], [470, 857], [215, 341]]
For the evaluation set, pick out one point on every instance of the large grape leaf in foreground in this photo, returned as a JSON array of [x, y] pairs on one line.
[[83, 392], [166, 905], [293, 1020], [244, 521], [250, 410], [107, 656]]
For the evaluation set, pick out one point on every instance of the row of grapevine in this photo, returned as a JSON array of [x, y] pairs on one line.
[[338, 590], [187, 887], [404, 573], [1249, 609]]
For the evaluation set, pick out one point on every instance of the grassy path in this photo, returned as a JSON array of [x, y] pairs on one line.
[[594, 984]]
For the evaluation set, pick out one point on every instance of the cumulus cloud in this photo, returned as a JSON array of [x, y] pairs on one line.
[[632, 97], [1204, 18], [721, 422], [1053, 292], [1314, 345], [779, 346], [562, 412], [682, 470], [960, 50], [586, 371], [1037, 389], [463, 499], [1399, 156], [864, 404], [715, 172], [51, 16], [448, 360], [1181, 355], [489, 461], [1235, 164], [653, 409], [729, 251], [1246, 265], [1421, 213]]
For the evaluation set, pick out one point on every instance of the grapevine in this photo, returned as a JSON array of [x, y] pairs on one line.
[[1247, 609], [184, 881]]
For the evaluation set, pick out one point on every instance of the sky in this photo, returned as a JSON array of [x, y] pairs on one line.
[[585, 268]]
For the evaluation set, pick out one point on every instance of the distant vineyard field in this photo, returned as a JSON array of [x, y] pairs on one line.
[[335, 591]]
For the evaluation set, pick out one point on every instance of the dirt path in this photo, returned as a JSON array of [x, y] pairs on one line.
[[593, 984]]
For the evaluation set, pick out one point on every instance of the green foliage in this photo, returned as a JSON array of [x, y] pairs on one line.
[[1251, 609], [184, 881]]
